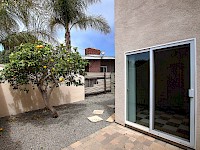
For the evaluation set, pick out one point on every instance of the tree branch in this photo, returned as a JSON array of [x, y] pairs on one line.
[[44, 78], [54, 85]]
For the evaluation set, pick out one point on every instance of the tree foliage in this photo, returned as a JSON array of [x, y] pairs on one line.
[[45, 67]]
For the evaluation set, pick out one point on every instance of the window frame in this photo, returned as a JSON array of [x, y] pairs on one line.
[[106, 67]]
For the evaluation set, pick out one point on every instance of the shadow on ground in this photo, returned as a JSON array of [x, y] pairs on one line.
[[6, 141], [38, 130]]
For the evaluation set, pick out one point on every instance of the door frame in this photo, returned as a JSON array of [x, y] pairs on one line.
[[193, 103]]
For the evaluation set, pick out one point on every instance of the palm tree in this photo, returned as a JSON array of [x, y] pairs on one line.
[[72, 13], [22, 21], [13, 14]]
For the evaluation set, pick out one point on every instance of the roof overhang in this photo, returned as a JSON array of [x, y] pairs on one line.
[[98, 57]]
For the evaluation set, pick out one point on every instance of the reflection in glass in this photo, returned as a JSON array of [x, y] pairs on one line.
[[172, 81], [138, 88]]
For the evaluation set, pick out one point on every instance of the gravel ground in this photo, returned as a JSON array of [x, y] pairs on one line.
[[38, 130]]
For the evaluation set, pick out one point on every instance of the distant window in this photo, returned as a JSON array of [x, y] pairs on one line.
[[90, 82], [103, 69], [87, 68]]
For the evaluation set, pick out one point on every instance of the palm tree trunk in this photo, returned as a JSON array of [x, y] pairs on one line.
[[68, 38]]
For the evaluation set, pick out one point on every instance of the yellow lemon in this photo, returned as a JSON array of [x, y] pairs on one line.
[[61, 79], [44, 67], [39, 46]]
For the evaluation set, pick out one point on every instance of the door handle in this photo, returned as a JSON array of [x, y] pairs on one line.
[[191, 93]]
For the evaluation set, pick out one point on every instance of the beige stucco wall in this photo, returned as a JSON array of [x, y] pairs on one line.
[[146, 23], [13, 102]]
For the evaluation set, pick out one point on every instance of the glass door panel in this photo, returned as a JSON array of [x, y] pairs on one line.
[[138, 88], [171, 85]]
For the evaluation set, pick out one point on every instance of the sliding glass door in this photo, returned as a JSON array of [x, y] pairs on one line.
[[138, 88], [172, 83], [160, 91]]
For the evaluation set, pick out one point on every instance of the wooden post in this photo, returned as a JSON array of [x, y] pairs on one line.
[[112, 82], [104, 82]]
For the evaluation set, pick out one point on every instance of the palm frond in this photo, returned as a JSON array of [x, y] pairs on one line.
[[7, 24], [16, 39], [38, 27], [53, 22], [93, 22], [21, 9], [12, 14], [91, 2]]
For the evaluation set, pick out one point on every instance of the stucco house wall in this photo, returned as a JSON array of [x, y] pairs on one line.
[[145, 23]]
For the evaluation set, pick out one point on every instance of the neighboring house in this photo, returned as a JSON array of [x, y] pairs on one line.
[[157, 88], [99, 70], [98, 62]]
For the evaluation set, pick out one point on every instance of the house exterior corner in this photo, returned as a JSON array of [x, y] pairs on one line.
[[152, 30]]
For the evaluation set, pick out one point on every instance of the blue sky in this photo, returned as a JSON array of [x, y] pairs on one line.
[[1, 47], [91, 38]]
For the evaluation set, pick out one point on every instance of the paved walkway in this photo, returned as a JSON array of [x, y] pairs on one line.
[[117, 137]]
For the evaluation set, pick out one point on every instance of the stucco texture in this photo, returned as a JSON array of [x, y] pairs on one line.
[[13, 102], [145, 23]]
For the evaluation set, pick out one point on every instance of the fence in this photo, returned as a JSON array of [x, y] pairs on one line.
[[96, 83], [13, 102]]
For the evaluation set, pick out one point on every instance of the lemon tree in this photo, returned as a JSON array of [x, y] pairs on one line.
[[44, 66]]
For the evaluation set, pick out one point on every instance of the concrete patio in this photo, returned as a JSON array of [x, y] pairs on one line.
[[117, 137]]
